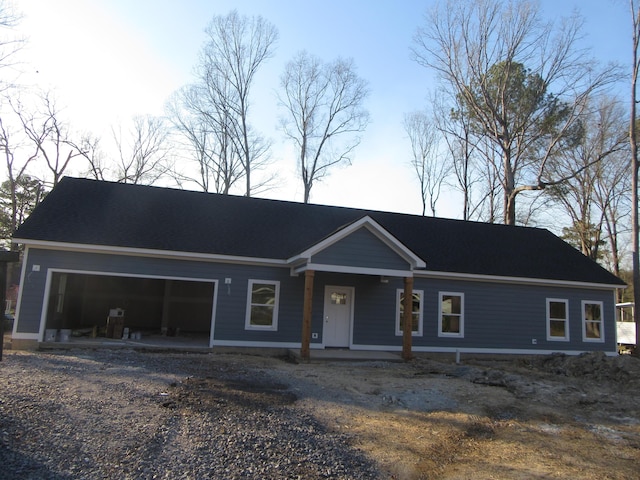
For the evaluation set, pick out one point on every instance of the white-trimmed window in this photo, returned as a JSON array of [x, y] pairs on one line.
[[416, 312], [557, 319], [262, 305], [592, 321], [451, 317]]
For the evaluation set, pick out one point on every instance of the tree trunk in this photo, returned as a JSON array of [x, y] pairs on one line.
[[635, 261], [509, 188]]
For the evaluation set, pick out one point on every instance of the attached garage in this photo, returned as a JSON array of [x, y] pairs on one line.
[[153, 306]]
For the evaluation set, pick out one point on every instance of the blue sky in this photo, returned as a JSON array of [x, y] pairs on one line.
[[110, 59]]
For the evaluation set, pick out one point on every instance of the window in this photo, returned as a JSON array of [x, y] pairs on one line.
[[416, 312], [557, 319], [262, 305], [592, 322], [451, 319], [338, 298]]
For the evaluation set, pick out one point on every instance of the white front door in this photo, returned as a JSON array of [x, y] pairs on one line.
[[338, 314]]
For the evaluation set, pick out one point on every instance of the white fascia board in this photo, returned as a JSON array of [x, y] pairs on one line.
[[517, 280], [145, 252], [318, 267], [374, 227]]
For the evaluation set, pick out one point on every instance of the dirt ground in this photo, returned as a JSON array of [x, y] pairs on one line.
[[517, 418], [548, 417]]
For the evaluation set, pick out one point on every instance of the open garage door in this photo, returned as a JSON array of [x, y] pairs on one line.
[[151, 307]]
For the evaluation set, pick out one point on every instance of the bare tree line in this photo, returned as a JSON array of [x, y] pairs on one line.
[[206, 138], [520, 114], [523, 113]]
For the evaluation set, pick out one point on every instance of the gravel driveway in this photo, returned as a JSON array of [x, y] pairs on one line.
[[119, 414]]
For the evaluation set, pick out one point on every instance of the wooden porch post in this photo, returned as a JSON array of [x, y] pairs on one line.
[[306, 315], [406, 319]]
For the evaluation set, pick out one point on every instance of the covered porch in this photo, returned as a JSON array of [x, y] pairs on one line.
[[361, 248]]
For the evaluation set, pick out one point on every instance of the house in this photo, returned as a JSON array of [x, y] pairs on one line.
[[247, 272]]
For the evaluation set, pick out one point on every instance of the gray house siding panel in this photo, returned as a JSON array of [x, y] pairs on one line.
[[31, 298], [361, 249], [496, 316], [232, 303], [231, 299], [375, 313]]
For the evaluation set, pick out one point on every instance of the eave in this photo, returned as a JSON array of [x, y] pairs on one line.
[[145, 252], [515, 280]]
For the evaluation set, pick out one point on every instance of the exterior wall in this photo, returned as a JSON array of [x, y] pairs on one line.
[[498, 317], [229, 308], [361, 249]]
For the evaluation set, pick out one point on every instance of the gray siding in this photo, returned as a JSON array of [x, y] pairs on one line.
[[498, 316], [361, 249], [231, 299]]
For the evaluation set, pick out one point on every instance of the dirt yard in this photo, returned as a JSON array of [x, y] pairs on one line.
[[516, 418], [552, 417]]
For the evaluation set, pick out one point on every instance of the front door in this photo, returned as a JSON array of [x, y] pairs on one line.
[[337, 316]]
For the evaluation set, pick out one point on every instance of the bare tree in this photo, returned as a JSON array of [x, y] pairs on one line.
[[461, 151], [612, 197], [584, 196], [235, 49], [89, 148], [523, 82], [48, 133], [9, 43], [429, 168], [203, 131], [143, 151], [18, 155], [633, 140], [324, 113]]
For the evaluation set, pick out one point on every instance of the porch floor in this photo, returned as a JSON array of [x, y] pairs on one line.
[[348, 355]]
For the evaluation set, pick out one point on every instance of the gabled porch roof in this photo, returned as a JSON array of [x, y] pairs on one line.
[[375, 251]]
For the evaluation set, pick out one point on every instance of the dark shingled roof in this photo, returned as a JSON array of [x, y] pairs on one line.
[[91, 212]]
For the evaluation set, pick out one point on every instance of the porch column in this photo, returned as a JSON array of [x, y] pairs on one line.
[[406, 319], [306, 314]]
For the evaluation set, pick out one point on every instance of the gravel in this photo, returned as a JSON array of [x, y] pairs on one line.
[[127, 414]]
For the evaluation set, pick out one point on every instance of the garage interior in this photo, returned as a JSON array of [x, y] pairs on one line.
[[90, 307]]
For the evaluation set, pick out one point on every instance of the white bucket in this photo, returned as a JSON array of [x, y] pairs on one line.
[[50, 335], [65, 333]]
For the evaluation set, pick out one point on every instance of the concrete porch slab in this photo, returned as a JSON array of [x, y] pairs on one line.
[[339, 354]]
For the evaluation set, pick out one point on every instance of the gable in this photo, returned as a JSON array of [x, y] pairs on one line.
[[361, 248]]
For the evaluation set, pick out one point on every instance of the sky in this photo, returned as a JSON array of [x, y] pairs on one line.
[[107, 60]]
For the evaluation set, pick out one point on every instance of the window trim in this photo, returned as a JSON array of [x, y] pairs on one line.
[[584, 321], [274, 321], [418, 333], [448, 334], [553, 338]]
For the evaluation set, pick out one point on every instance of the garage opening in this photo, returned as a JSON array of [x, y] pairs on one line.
[[92, 306]]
